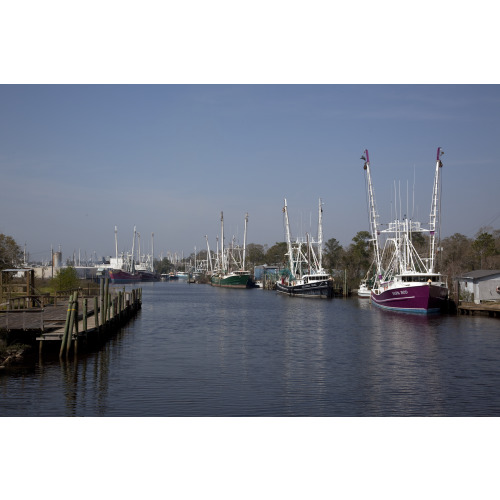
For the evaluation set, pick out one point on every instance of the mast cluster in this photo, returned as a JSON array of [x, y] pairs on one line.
[[230, 258], [305, 256]]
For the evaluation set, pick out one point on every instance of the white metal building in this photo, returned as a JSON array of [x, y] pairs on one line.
[[479, 286]]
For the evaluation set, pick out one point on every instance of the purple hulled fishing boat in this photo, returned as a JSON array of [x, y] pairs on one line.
[[405, 281]]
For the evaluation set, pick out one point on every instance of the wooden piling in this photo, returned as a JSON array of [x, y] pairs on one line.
[[96, 313], [101, 299], [106, 300], [66, 326], [72, 326], [121, 307], [84, 307]]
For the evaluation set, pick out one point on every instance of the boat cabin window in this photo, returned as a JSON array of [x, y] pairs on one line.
[[420, 279], [318, 277]]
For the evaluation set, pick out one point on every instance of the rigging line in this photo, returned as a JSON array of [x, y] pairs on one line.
[[494, 219]]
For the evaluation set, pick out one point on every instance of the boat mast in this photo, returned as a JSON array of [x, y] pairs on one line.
[[245, 242], [222, 242], [320, 236], [152, 252], [217, 260], [116, 244], [372, 212], [308, 254], [434, 209], [288, 239], [133, 248], [208, 254], [138, 247]]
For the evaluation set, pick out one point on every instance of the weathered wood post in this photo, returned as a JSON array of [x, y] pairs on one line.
[[84, 305], [106, 299], [101, 298], [110, 304], [77, 308], [66, 326], [74, 309], [112, 310], [96, 312], [120, 304]]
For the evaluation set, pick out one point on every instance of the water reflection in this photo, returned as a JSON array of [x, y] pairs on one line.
[[198, 350], [69, 372]]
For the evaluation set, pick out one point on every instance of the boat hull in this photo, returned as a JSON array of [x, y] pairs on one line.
[[421, 299], [317, 289], [147, 276], [230, 281], [118, 276]]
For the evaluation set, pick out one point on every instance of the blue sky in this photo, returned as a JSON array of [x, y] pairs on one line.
[[76, 160]]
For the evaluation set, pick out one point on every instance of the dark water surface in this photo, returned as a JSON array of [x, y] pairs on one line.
[[195, 350]]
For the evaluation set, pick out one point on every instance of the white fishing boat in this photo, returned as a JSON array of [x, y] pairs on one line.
[[305, 276], [404, 280]]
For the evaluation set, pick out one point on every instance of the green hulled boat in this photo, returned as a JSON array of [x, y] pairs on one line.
[[236, 279], [230, 259]]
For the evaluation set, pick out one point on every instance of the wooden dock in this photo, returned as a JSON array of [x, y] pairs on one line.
[[81, 322], [38, 319], [489, 309]]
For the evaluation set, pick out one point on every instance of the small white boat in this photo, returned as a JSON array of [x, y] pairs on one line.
[[363, 290]]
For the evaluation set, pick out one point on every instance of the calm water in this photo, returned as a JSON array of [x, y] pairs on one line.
[[195, 350]]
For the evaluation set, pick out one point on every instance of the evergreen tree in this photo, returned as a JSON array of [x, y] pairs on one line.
[[332, 254], [65, 279], [276, 254], [483, 246]]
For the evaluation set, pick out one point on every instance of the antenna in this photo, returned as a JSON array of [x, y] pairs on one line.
[[413, 207], [116, 243], [407, 199], [400, 212], [320, 235], [245, 241], [222, 240]]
